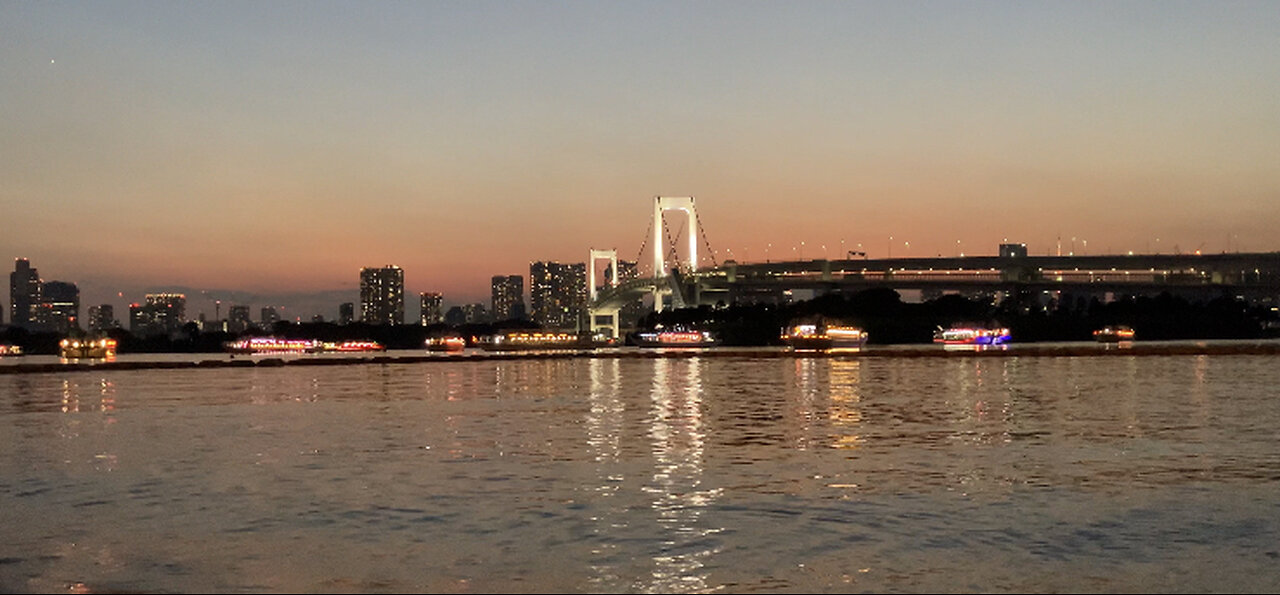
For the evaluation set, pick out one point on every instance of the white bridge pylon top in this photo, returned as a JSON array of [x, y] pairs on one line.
[[612, 257], [662, 204]]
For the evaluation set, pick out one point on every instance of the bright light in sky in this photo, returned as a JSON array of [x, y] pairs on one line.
[[279, 147]]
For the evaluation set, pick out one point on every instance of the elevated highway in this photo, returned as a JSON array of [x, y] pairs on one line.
[[1250, 274]]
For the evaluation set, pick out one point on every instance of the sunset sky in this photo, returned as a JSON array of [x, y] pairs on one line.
[[274, 148]]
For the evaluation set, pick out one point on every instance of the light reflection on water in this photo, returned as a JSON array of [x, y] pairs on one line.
[[685, 474]]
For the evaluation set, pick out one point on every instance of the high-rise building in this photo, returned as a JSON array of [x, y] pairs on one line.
[[508, 297], [102, 318], [163, 313], [268, 317], [59, 307], [558, 294], [432, 308], [24, 295], [238, 320], [382, 295], [346, 313]]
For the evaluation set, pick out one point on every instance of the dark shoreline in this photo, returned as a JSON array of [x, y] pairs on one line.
[[905, 351]]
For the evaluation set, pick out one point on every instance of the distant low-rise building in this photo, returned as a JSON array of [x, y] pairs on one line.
[[467, 314]]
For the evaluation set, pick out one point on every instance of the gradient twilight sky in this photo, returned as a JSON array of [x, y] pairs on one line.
[[277, 147]]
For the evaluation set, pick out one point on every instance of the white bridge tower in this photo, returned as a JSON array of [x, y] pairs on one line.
[[602, 318], [661, 204]]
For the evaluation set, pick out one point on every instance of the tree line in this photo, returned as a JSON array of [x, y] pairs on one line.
[[881, 312]]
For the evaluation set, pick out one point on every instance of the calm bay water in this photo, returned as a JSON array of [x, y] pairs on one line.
[[691, 474]]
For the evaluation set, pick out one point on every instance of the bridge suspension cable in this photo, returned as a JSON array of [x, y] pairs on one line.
[[702, 232], [643, 243], [675, 256]]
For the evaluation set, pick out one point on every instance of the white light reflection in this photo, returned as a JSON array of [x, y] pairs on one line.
[[810, 387], [604, 430], [846, 402], [679, 440], [77, 401]]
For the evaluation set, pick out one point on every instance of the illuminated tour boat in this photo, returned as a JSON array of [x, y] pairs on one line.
[[254, 345], [10, 350], [963, 335], [533, 341], [451, 343], [675, 338], [824, 336], [87, 348], [353, 346], [274, 345], [1113, 334]]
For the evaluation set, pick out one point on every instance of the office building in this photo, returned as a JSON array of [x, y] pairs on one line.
[[268, 317], [508, 297], [102, 318], [346, 313], [558, 294], [24, 295], [432, 308], [238, 320], [161, 314], [59, 307], [382, 295]]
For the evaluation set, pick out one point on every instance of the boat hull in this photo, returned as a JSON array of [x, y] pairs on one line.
[[824, 343], [674, 344]]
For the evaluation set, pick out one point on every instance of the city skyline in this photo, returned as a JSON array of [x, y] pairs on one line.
[[272, 151]]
